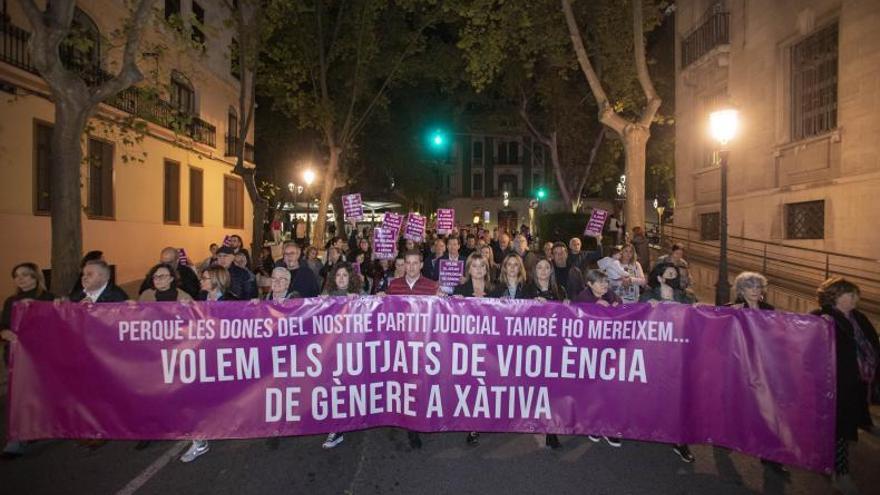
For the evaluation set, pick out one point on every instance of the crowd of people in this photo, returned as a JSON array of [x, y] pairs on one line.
[[496, 265]]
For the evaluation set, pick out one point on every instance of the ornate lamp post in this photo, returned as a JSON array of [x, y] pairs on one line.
[[660, 209], [723, 124]]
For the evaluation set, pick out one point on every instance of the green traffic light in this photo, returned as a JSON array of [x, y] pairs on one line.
[[438, 139], [542, 193]]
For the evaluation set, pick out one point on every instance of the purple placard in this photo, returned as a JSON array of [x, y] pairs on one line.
[[353, 207], [672, 373], [445, 220], [384, 243], [393, 221], [596, 222], [227, 240], [450, 274], [415, 227], [182, 258]]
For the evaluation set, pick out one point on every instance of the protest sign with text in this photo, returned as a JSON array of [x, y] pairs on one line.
[[445, 220], [353, 207], [415, 227], [596, 222]]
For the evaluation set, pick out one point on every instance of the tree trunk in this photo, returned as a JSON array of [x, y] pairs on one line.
[[327, 187], [557, 170], [260, 207], [635, 140], [338, 212], [65, 194]]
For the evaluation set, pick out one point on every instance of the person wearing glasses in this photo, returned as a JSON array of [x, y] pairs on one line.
[[163, 285]]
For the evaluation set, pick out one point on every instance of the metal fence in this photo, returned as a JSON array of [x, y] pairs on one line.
[[714, 31]]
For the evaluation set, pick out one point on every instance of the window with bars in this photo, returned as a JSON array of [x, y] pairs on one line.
[[100, 160], [710, 226], [805, 220], [814, 84], [171, 207], [42, 167], [233, 203], [195, 196], [198, 23], [183, 96]]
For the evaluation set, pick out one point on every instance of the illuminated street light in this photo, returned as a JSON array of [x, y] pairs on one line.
[[309, 176], [723, 124]]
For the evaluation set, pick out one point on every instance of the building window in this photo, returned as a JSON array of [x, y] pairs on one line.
[[234, 68], [508, 183], [814, 84], [478, 184], [232, 132], [183, 96], [172, 8], [478, 153], [100, 160], [710, 226], [171, 209], [513, 152], [233, 203], [81, 50], [42, 148], [805, 220], [195, 196], [198, 23]]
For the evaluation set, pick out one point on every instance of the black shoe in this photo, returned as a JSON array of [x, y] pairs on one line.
[[777, 468], [552, 441], [273, 443], [143, 444], [684, 453], [415, 441], [473, 439]]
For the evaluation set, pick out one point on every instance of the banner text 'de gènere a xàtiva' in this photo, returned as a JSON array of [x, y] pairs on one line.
[[757, 381]]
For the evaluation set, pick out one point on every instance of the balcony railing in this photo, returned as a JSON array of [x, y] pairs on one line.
[[715, 31], [132, 100], [233, 144]]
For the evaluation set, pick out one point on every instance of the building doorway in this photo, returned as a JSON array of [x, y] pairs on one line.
[[508, 221]]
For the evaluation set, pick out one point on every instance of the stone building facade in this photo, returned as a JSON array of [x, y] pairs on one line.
[[169, 184]]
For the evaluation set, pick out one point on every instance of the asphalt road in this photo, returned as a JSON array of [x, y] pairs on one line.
[[380, 461]]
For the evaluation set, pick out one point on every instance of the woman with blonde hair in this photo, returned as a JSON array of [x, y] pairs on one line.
[[476, 278], [512, 279]]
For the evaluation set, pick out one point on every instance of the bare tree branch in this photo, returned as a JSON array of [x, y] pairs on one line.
[[129, 73], [653, 100], [597, 143]]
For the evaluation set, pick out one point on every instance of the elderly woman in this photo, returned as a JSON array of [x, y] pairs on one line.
[[280, 285], [858, 364], [597, 290], [214, 285], [750, 289], [163, 280]]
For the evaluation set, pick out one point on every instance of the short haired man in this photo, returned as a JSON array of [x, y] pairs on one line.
[[96, 285], [302, 278], [240, 284], [568, 275], [431, 266], [412, 283], [583, 259]]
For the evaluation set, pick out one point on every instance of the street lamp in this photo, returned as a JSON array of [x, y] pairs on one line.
[[723, 125], [309, 177], [660, 209]]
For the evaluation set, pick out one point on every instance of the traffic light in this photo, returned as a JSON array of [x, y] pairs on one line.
[[541, 193], [438, 140]]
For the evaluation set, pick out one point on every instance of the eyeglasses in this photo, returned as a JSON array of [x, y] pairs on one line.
[[161, 275], [290, 253], [280, 279]]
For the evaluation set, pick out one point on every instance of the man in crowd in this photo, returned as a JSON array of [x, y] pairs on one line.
[[237, 245], [240, 285], [412, 283], [96, 285], [188, 281], [521, 247], [432, 264], [210, 260], [568, 273], [640, 245], [470, 246], [302, 278], [583, 259], [502, 247]]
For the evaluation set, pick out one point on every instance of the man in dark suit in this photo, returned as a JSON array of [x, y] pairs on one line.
[[240, 284], [96, 285], [431, 266]]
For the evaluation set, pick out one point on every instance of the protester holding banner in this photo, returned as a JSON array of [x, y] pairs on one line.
[[163, 285], [858, 365], [630, 292], [96, 285], [665, 287], [302, 279], [215, 282], [29, 285], [597, 290], [280, 288], [512, 280]]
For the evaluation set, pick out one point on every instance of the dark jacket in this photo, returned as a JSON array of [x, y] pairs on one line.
[[531, 291], [242, 283], [584, 259], [570, 278], [678, 295], [112, 293], [500, 290], [6, 316], [761, 304], [302, 279], [852, 392], [431, 267], [203, 296], [188, 282], [587, 296], [466, 289]]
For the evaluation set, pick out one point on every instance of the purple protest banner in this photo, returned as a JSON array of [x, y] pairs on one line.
[[760, 382], [182, 258], [393, 221], [415, 227], [353, 207], [227, 240], [384, 243], [445, 220], [450, 274], [596, 222]]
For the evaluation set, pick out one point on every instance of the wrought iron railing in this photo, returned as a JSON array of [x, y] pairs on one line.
[[133, 100], [713, 32], [233, 146]]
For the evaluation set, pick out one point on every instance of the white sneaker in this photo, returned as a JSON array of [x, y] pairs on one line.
[[197, 448], [333, 440], [613, 441], [594, 438]]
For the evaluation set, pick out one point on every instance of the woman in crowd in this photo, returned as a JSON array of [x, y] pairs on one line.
[[476, 284], [548, 250], [163, 280], [334, 255], [512, 280], [313, 262], [630, 292], [597, 290], [215, 284], [543, 287], [29, 285], [342, 281], [280, 288], [664, 286], [858, 364], [267, 263], [489, 255], [380, 274]]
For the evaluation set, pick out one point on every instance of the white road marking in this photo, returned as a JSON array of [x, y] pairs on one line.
[[151, 470]]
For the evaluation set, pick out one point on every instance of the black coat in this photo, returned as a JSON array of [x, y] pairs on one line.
[[112, 293], [531, 291], [852, 392], [467, 289], [6, 316], [500, 290], [187, 281]]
